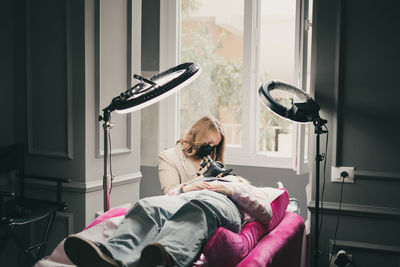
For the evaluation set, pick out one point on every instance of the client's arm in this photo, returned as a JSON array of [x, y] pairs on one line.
[[250, 198]]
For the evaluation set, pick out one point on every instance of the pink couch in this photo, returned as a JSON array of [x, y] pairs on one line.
[[281, 246], [277, 244]]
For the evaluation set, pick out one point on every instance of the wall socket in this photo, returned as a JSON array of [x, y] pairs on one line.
[[343, 261], [336, 171]]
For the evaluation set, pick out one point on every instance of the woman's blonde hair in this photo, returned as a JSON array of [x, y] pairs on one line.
[[197, 136]]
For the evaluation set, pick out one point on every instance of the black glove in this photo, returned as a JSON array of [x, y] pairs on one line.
[[215, 168]]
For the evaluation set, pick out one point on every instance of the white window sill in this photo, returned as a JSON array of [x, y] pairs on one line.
[[259, 160]]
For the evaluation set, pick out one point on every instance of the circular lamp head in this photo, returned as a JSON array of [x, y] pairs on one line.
[[155, 88], [288, 102]]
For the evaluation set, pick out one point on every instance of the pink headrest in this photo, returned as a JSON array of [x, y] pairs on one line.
[[228, 247]]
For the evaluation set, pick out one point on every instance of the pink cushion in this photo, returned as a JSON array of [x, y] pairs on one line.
[[278, 206], [228, 247], [281, 247]]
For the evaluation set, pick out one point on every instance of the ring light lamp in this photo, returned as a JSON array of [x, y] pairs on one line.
[[154, 89], [146, 92], [302, 108], [294, 104]]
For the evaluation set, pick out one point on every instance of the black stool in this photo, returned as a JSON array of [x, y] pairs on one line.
[[17, 211]]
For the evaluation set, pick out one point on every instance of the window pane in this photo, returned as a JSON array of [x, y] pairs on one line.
[[277, 62], [212, 35]]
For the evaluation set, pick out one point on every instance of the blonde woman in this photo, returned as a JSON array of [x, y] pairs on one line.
[[181, 163]]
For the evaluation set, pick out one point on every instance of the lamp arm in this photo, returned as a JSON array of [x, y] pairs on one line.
[[120, 100]]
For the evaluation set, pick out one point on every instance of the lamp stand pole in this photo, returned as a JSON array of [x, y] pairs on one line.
[[107, 125], [318, 123]]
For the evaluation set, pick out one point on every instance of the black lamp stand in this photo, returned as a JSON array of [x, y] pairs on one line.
[[107, 125], [318, 123]]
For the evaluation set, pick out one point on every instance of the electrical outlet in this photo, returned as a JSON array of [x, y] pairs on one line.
[[336, 174], [343, 261]]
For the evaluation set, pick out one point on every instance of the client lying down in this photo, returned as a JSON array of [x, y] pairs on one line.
[[170, 230]]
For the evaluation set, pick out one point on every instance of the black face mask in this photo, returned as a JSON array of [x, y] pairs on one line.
[[204, 150]]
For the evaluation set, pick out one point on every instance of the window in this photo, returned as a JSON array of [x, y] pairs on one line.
[[212, 36], [239, 45]]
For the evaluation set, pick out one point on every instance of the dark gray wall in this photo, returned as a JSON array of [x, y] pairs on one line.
[[41, 118], [8, 65], [364, 42], [6, 73], [150, 35]]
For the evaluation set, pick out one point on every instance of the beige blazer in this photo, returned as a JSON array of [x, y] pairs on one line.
[[174, 168]]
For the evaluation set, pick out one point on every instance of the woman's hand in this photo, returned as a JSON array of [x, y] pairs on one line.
[[216, 187], [220, 188], [195, 186]]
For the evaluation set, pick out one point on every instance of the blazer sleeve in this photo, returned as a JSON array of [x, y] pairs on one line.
[[168, 173]]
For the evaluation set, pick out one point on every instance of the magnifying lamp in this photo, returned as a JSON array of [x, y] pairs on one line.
[[148, 91], [294, 104]]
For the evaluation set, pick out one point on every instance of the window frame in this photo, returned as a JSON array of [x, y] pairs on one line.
[[247, 154]]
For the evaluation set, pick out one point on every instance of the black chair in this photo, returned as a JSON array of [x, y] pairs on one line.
[[18, 211]]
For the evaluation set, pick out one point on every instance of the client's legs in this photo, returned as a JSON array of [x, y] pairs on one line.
[[186, 231], [140, 227], [179, 224]]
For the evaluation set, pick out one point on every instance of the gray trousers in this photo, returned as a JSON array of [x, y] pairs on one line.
[[182, 224]]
